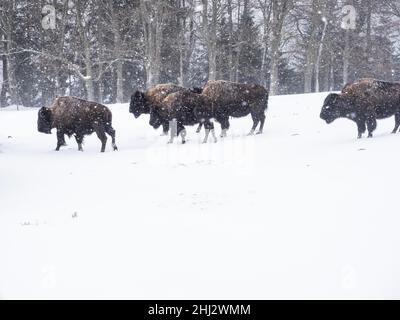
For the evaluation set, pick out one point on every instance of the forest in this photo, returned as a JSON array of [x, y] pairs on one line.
[[104, 50]]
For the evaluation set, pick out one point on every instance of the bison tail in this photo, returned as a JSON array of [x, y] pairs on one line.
[[265, 101], [108, 119]]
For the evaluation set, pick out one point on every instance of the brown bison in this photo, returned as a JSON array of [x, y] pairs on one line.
[[237, 100], [74, 116], [186, 108], [364, 102], [143, 102]]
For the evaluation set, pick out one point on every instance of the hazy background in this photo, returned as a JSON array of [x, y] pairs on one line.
[[103, 50]]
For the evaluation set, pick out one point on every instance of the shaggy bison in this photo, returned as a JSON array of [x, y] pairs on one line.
[[143, 102], [74, 116], [186, 108], [364, 102], [237, 100]]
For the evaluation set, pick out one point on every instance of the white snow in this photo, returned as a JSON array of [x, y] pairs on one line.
[[304, 211]]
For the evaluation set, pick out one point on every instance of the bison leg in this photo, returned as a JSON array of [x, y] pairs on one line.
[[199, 128], [111, 132], [165, 128], [256, 121], [262, 120], [173, 125], [103, 138], [361, 128], [182, 132], [209, 128], [223, 119], [79, 141], [371, 124], [64, 144], [60, 140], [397, 119], [225, 125]]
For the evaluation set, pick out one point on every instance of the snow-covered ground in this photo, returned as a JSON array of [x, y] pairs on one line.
[[304, 211]]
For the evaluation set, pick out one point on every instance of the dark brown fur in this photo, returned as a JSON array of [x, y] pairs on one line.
[[143, 102], [364, 101], [74, 116], [187, 108], [158, 93], [237, 100]]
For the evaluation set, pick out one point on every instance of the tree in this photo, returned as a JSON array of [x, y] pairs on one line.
[[210, 34], [153, 15], [279, 12], [7, 27]]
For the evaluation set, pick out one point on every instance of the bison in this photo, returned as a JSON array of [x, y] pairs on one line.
[[143, 102], [237, 100], [363, 102], [186, 108], [74, 116]]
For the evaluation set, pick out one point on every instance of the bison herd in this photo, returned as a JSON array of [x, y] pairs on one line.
[[174, 107], [168, 104]]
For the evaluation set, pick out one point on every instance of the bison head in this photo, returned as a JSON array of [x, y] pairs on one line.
[[155, 120], [138, 104], [334, 107], [44, 120]]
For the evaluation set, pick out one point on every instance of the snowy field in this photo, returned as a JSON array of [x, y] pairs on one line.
[[304, 211]]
